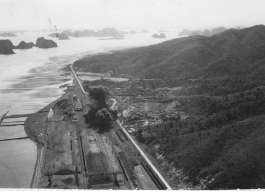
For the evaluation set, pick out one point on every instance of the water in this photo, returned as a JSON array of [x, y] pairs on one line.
[[30, 79], [17, 163]]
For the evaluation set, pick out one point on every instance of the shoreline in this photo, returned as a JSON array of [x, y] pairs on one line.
[[40, 142], [40, 145]]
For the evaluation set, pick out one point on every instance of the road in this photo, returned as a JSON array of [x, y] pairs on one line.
[[131, 139]]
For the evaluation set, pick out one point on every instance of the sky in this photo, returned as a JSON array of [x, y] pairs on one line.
[[129, 14]]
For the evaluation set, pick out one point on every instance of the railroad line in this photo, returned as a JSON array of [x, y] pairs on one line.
[[153, 169]]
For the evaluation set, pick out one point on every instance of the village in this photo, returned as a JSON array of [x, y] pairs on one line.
[[140, 105]]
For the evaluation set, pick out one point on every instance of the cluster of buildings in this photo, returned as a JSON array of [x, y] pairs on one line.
[[135, 112]]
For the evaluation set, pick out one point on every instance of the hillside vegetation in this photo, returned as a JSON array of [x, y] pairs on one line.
[[220, 144], [228, 53]]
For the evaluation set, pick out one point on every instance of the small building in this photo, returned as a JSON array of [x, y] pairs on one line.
[[74, 118], [50, 114], [78, 105]]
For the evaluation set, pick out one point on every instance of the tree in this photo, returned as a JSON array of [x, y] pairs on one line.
[[176, 131], [191, 129], [171, 124], [139, 135], [180, 124], [149, 128]]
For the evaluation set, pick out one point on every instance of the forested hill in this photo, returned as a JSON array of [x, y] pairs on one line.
[[221, 144], [228, 53]]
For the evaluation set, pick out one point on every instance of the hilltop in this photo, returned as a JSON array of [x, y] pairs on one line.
[[206, 32], [230, 52]]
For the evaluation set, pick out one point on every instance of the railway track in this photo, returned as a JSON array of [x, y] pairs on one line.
[[151, 168], [82, 152]]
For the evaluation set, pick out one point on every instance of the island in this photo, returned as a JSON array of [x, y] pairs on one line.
[[133, 32], [161, 36], [60, 36], [106, 32], [24, 45], [186, 32], [124, 32], [63, 36], [144, 31], [218, 30], [6, 47], [193, 33], [206, 32], [8, 34], [45, 43]]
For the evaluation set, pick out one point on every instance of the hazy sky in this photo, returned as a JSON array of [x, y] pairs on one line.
[[130, 14]]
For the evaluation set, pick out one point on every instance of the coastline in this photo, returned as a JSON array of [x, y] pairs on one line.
[[40, 138], [30, 133], [40, 145]]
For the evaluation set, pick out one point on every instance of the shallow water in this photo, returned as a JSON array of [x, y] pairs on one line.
[[10, 132], [30, 79], [17, 163]]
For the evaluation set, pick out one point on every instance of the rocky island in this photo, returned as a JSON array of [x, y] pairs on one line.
[[45, 43], [161, 36], [8, 34], [60, 36], [133, 32], [63, 36], [106, 32], [218, 30], [144, 31], [206, 32], [186, 32], [127, 32], [6, 47], [24, 45]]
